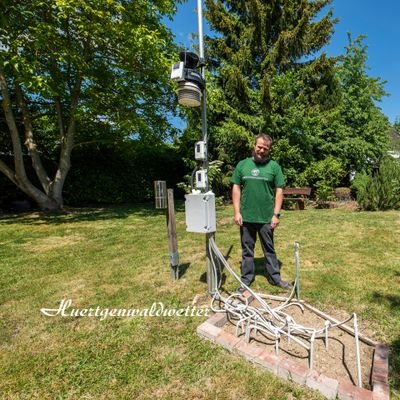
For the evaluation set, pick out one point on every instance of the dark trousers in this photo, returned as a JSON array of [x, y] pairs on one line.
[[248, 237]]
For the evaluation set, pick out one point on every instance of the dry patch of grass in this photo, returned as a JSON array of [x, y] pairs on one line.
[[42, 245]]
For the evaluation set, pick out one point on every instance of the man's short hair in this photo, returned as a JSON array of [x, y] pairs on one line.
[[263, 136]]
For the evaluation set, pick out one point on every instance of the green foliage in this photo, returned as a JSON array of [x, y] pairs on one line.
[[324, 175], [120, 49], [258, 80], [265, 75], [343, 193], [88, 71], [342, 122], [359, 185], [121, 173], [362, 135], [396, 124], [395, 136], [217, 181], [379, 191]]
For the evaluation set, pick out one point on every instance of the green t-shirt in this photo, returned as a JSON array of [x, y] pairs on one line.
[[258, 183]]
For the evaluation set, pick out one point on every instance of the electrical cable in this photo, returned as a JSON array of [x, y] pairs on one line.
[[273, 322]]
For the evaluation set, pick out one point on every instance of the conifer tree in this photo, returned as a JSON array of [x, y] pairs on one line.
[[267, 72], [363, 139], [263, 66]]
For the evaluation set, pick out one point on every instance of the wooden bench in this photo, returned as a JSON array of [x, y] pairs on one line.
[[298, 195]]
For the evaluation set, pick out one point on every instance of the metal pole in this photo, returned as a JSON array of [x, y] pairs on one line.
[[212, 283], [296, 254], [359, 375], [172, 237], [203, 74]]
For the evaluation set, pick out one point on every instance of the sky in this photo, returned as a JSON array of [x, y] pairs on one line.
[[378, 21]]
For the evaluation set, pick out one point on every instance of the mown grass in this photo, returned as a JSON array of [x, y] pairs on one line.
[[118, 258]]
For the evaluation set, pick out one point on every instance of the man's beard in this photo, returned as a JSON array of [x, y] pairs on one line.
[[260, 159]]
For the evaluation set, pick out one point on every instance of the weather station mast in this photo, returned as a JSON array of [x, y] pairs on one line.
[[189, 74]]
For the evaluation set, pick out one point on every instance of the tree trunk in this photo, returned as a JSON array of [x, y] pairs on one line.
[[50, 197]]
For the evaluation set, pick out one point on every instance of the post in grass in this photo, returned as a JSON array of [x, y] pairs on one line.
[[165, 200]]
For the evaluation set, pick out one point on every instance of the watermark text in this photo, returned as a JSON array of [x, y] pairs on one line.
[[157, 309]]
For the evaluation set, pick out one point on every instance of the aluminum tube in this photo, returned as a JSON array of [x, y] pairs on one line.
[[357, 351], [200, 23], [296, 254]]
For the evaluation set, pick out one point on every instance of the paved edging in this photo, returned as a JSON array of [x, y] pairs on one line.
[[212, 329]]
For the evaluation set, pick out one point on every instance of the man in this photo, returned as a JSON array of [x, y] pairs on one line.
[[257, 195]]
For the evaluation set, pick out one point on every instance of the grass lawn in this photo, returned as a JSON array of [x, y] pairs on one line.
[[118, 258]]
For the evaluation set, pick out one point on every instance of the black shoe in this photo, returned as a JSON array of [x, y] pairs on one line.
[[240, 290], [284, 285]]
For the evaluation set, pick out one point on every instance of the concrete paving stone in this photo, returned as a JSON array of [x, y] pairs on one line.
[[379, 373], [248, 350], [227, 340], [381, 391], [218, 319], [208, 331], [362, 394], [248, 296], [327, 386], [268, 361], [345, 391], [380, 367], [348, 391], [291, 370]]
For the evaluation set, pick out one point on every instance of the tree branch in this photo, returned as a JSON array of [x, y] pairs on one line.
[[19, 177], [91, 142], [16, 142], [59, 116], [67, 144], [8, 172], [29, 142]]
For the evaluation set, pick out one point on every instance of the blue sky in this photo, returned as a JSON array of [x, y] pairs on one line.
[[378, 21]]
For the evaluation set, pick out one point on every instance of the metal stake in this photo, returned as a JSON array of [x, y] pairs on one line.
[[357, 350], [296, 254], [172, 237]]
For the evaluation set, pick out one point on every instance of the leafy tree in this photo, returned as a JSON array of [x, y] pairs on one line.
[[267, 73], [135, 167], [265, 76], [346, 126], [75, 71], [362, 134], [394, 136], [396, 124], [324, 175]]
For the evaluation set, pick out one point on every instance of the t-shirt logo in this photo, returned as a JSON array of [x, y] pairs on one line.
[[255, 172]]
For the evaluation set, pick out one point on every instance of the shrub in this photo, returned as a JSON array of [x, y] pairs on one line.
[[215, 177], [343, 193], [122, 173], [379, 191], [324, 176]]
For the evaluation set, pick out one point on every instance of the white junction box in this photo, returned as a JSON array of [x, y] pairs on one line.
[[200, 151], [200, 212], [201, 179]]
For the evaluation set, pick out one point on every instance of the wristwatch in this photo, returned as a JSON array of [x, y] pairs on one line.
[[277, 215]]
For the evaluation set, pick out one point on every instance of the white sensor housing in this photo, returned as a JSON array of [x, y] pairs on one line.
[[200, 151], [201, 179], [178, 71]]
